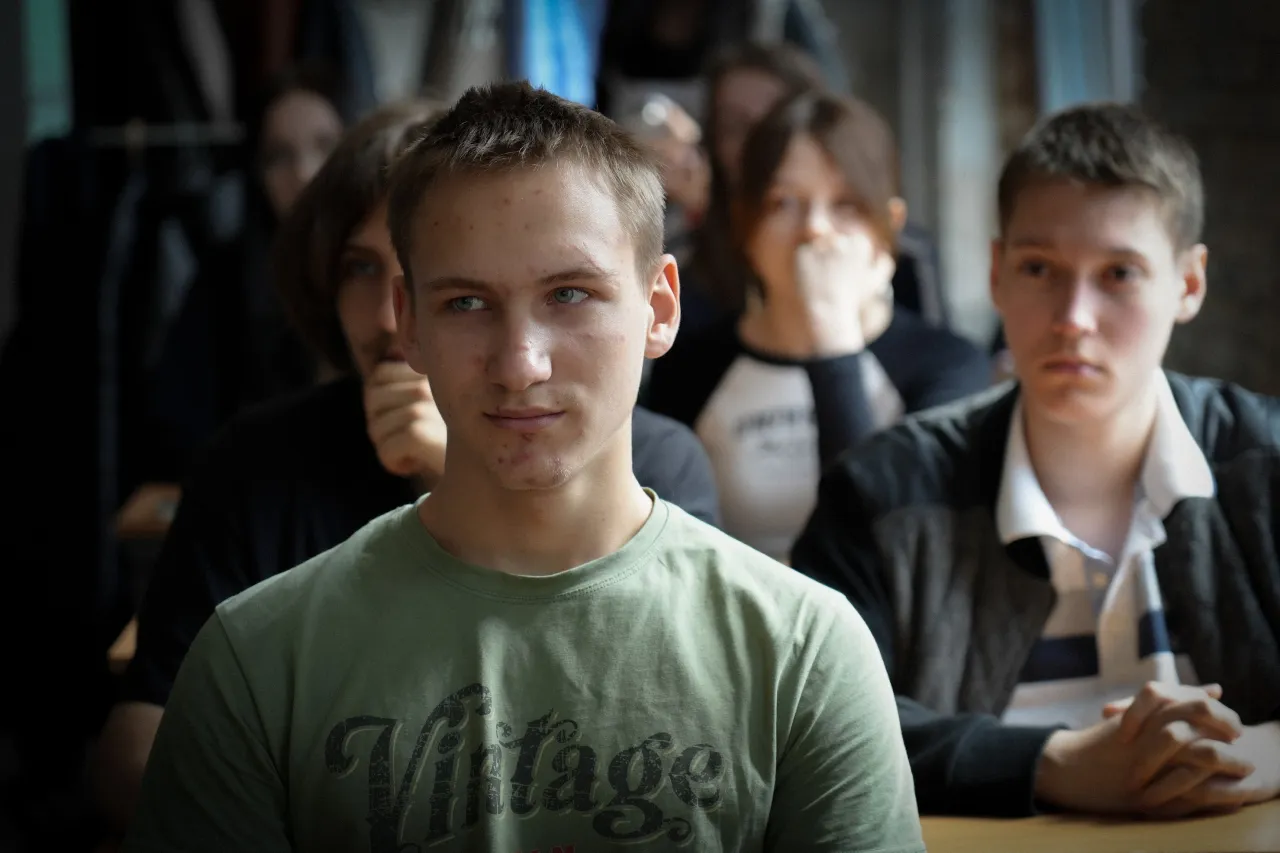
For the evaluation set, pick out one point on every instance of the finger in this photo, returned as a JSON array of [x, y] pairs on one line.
[[1215, 795], [1172, 784], [1155, 748], [391, 371], [1223, 793], [398, 420], [416, 449], [1177, 809], [1220, 758], [1148, 700], [882, 270], [1154, 696], [1206, 714], [383, 399], [1112, 709]]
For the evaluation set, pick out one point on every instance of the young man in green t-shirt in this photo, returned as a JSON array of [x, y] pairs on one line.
[[539, 654]]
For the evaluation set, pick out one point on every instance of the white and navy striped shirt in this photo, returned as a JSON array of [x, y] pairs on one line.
[[1107, 635]]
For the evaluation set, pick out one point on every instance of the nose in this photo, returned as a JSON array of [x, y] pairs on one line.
[[521, 356], [307, 166], [817, 222], [387, 304], [1078, 311]]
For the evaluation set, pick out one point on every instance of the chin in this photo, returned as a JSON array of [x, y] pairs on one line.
[[1068, 404], [534, 472]]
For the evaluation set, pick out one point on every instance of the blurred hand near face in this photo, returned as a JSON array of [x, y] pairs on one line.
[[403, 422], [838, 275], [675, 138], [686, 176]]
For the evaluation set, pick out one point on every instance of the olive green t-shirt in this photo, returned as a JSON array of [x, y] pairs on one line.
[[682, 693]]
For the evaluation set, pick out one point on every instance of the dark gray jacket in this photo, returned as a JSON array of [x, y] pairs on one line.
[[905, 527]]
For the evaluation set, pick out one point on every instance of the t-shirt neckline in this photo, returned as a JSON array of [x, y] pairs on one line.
[[579, 580]]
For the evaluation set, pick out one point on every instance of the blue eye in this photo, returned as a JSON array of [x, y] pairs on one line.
[[359, 268], [1123, 273], [1033, 269], [782, 204], [466, 304], [568, 295]]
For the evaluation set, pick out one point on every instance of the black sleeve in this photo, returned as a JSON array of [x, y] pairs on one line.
[[840, 405], [204, 560], [963, 764], [955, 369], [668, 458]]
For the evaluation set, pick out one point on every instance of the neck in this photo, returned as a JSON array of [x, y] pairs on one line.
[[1098, 465], [537, 531]]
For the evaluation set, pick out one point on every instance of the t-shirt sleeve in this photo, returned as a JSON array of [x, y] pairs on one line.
[[844, 782], [211, 782], [203, 561]]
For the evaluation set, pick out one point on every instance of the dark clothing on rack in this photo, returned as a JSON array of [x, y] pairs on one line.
[[229, 348]]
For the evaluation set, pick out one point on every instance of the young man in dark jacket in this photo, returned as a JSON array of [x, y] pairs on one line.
[[1075, 582]]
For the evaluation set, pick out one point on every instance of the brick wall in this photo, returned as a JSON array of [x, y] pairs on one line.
[[1213, 74]]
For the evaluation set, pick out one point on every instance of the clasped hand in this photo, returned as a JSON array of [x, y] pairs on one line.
[[837, 276], [1170, 751]]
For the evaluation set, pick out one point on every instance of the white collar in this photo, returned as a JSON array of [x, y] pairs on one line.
[[1174, 469]]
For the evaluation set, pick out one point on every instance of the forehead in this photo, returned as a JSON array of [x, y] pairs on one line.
[[1074, 214], [299, 110], [748, 88], [373, 229], [511, 227], [807, 162]]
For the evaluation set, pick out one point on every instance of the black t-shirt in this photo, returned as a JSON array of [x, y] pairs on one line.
[[297, 476]]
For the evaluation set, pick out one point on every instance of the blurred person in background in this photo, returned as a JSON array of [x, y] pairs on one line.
[[819, 357], [702, 166], [230, 346], [299, 126], [743, 85], [297, 476]]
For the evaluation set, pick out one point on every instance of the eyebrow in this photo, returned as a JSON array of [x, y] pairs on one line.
[[1036, 243], [578, 273]]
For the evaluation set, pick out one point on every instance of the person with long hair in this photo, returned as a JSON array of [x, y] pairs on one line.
[[231, 346], [743, 84], [819, 356]]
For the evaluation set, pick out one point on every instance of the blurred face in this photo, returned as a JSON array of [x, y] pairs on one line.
[[531, 322], [809, 200], [1089, 285], [741, 100], [365, 303], [298, 132]]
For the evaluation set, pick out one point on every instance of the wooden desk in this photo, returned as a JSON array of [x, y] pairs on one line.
[[147, 513], [1255, 829]]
